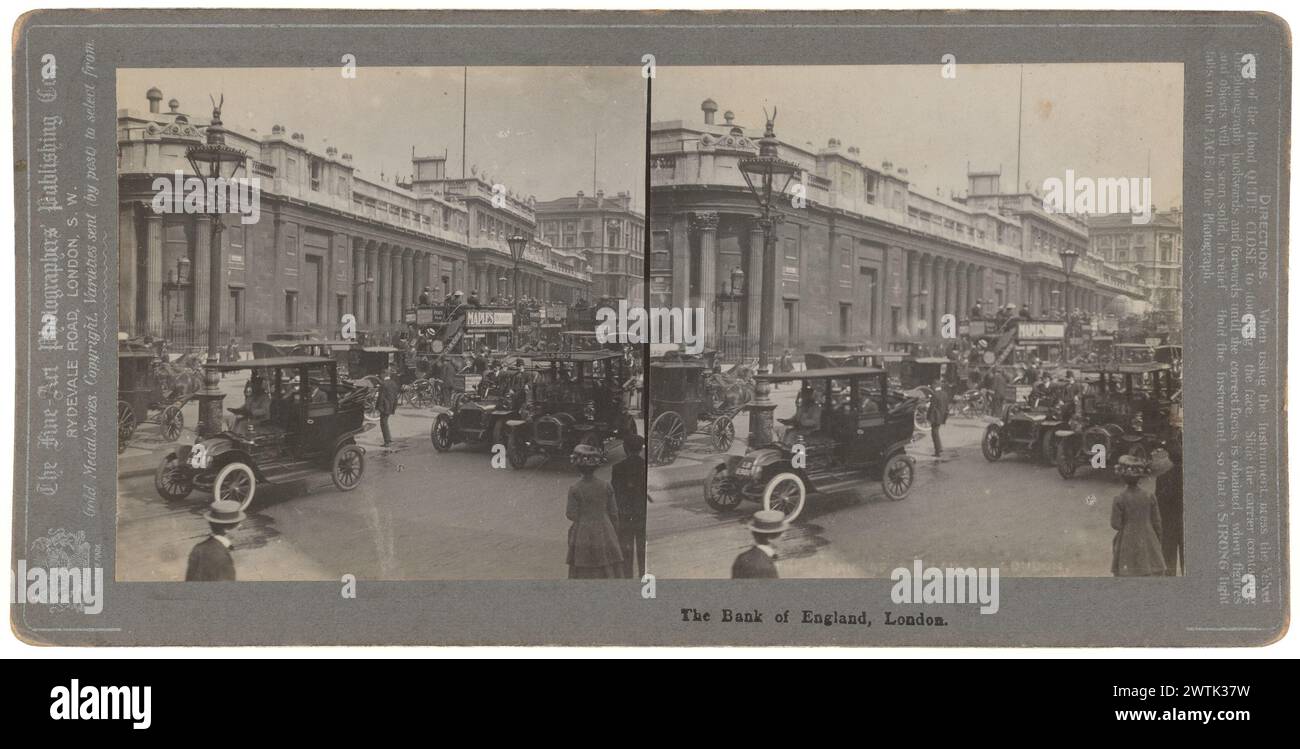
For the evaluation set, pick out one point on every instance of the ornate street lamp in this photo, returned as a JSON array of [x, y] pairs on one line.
[[762, 173], [1069, 256], [518, 243], [214, 160]]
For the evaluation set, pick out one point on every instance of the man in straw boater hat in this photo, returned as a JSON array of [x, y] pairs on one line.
[[757, 561], [210, 559]]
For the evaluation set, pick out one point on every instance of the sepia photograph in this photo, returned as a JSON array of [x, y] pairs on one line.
[[944, 310], [357, 323]]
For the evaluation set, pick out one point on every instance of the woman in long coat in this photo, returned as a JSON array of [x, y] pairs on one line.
[[594, 550], [1136, 520]]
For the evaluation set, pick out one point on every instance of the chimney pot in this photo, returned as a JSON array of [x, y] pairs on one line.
[[154, 95], [710, 108], [174, 105]]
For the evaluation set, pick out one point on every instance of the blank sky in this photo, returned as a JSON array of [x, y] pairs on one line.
[[1101, 120], [532, 129]]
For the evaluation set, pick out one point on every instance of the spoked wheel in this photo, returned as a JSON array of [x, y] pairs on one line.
[[423, 398], [667, 434], [172, 422], [440, 433], [347, 467], [171, 481], [991, 445], [372, 405], [897, 476], [786, 494], [126, 424], [235, 483], [1065, 459], [516, 450], [721, 492], [724, 433]]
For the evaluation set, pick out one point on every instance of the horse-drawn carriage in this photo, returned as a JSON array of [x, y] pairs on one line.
[[684, 403], [150, 392]]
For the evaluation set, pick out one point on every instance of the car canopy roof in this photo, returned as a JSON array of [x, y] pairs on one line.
[[833, 373], [1135, 368], [577, 355], [271, 361]]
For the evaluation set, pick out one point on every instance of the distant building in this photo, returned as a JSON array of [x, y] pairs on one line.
[[330, 240], [1154, 251], [608, 232], [868, 257]]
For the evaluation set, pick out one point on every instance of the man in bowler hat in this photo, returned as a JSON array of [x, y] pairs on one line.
[[210, 559], [758, 561]]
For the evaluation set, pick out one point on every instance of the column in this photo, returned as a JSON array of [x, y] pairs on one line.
[[923, 301], [936, 296], [199, 268], [358, 279], [153, 271], [960, 312], [385, 292], [910, 287], [706, 224], [754, 284], [372, 288], [681, 261], [394, 299], [128, 281]]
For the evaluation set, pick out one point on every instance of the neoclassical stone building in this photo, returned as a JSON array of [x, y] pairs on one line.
[[329, 241], [866, 257]]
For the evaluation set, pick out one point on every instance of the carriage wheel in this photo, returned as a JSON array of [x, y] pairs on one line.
[[372, 405], [171, 481], [724, 433], [921, 416], [667, 434], [786, 494], [721, 492], [235, 483], [126, 424], [897, 477], [347, 467], [172, 422]]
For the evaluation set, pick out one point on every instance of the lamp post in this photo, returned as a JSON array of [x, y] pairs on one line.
[[1069, 256], [174, 287], [214, 160], [731, 292], [518, 243], [761, 173]]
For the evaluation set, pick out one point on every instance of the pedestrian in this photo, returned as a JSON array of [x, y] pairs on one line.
[[1169, 500], [210, 560], [759, 560], [1136, 519], [593, 542], [937, 414], [629, 481], [387, 403]]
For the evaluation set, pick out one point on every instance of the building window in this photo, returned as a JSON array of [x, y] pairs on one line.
[[846, 316], [316, 169], [290, 309]]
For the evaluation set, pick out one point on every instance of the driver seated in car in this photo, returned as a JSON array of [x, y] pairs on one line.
[[809, 414], [256, 408]]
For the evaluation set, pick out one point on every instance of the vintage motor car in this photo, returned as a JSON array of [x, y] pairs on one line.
[[310, 428], [1029, 430], [849, 427], [575, 397], [1124, 411], [480, 416]]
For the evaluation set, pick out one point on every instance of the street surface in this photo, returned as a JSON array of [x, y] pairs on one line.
[[1016, 514], [418, 515]]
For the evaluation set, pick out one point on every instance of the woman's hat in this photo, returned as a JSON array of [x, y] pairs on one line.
[[768, 521], [586, 455], [224, 512], [1132, 465]]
